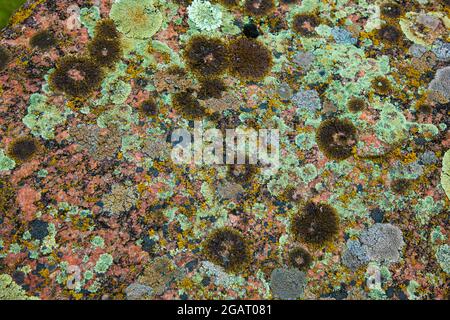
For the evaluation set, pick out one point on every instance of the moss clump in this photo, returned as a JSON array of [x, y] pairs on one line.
[[105, 52], [305, 23], [316, 224], [211, 88], [227, 248], [356, 104], [206, 56], [391, 10], [300, 258], [336, 138], [23, 149], [43, 40], [5, 58], [382, 86], [188, 106], [259, 8], [389, 34], [76, 76], [7, 195], [106, 29], [149, 108], [249, 59]]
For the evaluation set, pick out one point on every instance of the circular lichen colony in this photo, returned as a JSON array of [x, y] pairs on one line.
[[336, 138], [136, 19], [382, 86], [356, 104], [300, 258], [206, 56], [149, 108], [227, 248], [76, 76], [249, 59], [105, 52], [316, 223], [23, 149]]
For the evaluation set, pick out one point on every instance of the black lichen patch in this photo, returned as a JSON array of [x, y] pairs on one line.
[[7, 195], [187, 105], [356, 104], [5, 58], [38, 229], [211, 88], [105, 52], [299, 258], [305, 24], [149, 108], [336, 138], [316, 224], [251, 30], [106, 29], [389, 34], [249, 59], [401, 186], [382, 86], [391, 10], [206, 56], [242, 173], [23, 149], [227, 248], [43, 40], [76, 76], [259, 8]]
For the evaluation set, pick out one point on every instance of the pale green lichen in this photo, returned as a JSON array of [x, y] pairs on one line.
[[89, 18], [98, 242], [445, 174], [427, 208], [121, 116], [137, 19], [9, 290], [42, 118], [204, 15], [443, 257], [103, 263], [6, 163]]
